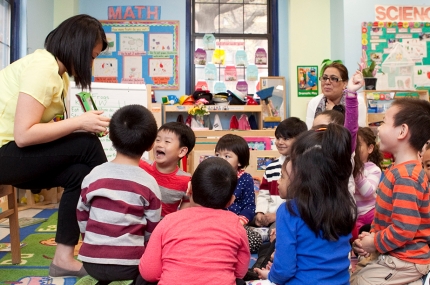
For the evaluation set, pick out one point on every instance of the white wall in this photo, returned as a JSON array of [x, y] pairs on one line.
[[40, 19]]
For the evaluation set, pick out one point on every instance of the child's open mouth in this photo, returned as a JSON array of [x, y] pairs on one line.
[[159, 153]]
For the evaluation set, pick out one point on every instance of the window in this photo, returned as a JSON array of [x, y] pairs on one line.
[[5, 20], [236, 25]]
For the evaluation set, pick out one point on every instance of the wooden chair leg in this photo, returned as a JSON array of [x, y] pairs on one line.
[[14, 228], [12, 215]]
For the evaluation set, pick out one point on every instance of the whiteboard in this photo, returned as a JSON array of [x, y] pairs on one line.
[[109, 97]]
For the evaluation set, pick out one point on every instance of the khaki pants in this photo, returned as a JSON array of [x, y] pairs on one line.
[[388, 270]]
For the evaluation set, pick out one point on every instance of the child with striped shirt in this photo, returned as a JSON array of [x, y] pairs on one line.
[[400, 232]]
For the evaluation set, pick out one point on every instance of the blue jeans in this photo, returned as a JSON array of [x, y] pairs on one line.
[[63, 162]]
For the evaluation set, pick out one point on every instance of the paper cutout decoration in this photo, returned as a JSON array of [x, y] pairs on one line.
[[210, 71], [242, 86], [200, 56], [201, 85], [218, 56], [219, 87], [230, 73], [399, 67], [251, 73], [241, 58], [209, 42], [260, 56]]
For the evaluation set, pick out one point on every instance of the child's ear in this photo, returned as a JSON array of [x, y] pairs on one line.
[[404, 131], [370, 148], [183, 151], [231, 201]]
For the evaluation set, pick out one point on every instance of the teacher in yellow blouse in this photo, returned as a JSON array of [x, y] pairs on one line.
[[35, 151]]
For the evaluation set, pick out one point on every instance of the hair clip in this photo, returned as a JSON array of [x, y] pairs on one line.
[[321, 129]]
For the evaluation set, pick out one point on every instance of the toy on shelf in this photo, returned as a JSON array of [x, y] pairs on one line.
[[271, 118]]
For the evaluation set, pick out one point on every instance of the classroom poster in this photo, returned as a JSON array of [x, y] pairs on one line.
[[140, 52], [307, 81], [379, 39]]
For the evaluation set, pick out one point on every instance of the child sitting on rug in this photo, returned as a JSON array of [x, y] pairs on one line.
[[174, 141], [268, 199], [120, 205], [314, 225], [204, 243]]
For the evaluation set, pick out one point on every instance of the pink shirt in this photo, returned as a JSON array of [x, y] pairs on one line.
[[196, 245]]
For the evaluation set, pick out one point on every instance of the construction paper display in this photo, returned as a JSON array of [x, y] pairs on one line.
[[140, 52], [379, 40]]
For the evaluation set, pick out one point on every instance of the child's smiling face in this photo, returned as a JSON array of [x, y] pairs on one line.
[[284, 145], [426, 162]]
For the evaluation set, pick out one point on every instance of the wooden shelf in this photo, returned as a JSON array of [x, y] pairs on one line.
[[378, 117], [218, 109]]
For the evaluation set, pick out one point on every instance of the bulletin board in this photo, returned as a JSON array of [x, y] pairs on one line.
[[378, 39], [140, 52], [109, 97]]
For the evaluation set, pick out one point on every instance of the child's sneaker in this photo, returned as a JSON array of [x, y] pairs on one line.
[[264, 232]]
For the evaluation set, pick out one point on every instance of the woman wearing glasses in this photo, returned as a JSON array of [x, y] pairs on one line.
[[333, 82]]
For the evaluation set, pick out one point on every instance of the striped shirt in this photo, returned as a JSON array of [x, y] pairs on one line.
[[268, 199], [173, 186], [117, 211], [366, 184], [402, 213]]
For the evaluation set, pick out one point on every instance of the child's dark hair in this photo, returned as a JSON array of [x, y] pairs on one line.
[[414, 113], [237, 145], [369, 138], [185, 134], [213, 183], [132, 130], [72, 42], [290, 128], [336, 117], [321, 167]]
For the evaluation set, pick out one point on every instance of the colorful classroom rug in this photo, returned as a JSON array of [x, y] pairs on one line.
[[36, 255]]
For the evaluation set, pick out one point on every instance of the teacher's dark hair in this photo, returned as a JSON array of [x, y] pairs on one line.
[[72, 42]]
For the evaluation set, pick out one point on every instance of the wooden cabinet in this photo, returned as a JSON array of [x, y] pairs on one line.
[[378, 101], [175, 110]]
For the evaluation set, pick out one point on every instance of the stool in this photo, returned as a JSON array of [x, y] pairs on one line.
[[12, 214]]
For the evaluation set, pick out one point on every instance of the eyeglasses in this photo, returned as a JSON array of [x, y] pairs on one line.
[[330, 78]]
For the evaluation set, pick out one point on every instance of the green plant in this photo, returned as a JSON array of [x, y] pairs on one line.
[[365, 68], [326, 62]]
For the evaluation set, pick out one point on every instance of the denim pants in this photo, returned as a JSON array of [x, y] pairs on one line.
[[63, 162]]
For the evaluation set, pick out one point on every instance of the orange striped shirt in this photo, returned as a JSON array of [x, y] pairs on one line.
[[402, 213]]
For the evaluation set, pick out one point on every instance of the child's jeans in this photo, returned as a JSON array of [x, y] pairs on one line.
[[389, 270]]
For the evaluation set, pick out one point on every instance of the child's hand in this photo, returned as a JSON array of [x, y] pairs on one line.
[[259, 219], [272, 235], [269, 265], [368, 244], [262, 273], [269, 218], [355, 82]]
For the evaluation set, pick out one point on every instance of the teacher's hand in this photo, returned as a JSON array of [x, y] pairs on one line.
[[94, 122]]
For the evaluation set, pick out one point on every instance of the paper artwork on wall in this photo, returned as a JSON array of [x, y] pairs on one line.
[[209, 42], [218, 56], [230, 73], [251, 72], [219, 87], [132, 42], [241, 58], [210, 72], [200, 56], [160, 42], [260, 56]]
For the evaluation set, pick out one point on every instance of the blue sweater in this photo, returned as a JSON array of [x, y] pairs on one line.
[[303, 258], [244, 203]]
